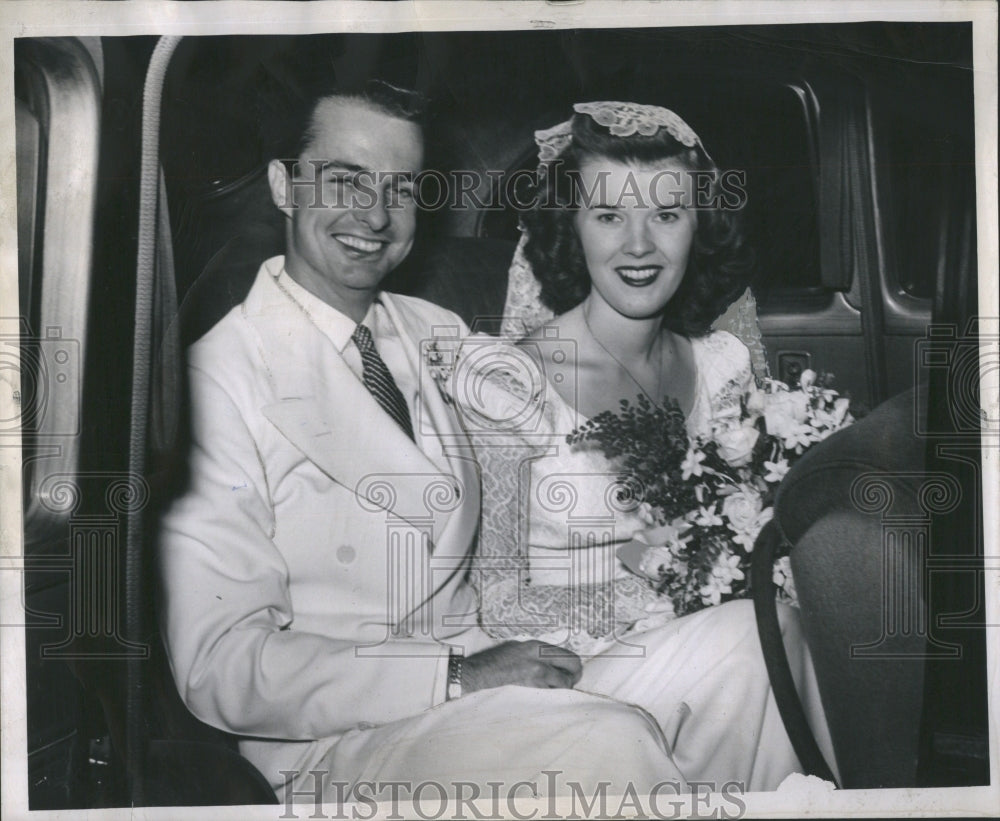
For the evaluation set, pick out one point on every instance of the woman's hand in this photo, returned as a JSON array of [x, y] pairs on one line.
[[527, 663]]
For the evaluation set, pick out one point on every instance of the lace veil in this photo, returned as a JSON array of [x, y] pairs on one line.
[[523, 309]]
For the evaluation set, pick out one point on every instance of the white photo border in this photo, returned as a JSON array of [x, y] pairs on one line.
[[21, 18]]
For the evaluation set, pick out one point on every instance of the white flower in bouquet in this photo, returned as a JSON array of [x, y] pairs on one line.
[[741, 508], [776, 470], [691, 466], [783, 580], [659, 550], [656, 561], [736, 444], [832, 418], [799, 437], [727, 570], [724, 573], [746, 516], [747, 538], [706, 516], [785, 410], [645, 512]]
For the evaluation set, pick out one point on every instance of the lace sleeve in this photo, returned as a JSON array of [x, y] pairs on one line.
[[740, 319], [725, 374], [510, 605]]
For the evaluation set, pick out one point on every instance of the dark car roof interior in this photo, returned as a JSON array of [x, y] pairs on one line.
[[218, 137], [750, 101]]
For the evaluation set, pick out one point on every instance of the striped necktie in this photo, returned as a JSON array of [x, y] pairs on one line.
[[377, 378]]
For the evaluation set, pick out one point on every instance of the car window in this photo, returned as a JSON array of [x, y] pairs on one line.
[[926, 179]]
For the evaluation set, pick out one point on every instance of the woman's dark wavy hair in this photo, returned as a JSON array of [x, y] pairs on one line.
[[719, 263]]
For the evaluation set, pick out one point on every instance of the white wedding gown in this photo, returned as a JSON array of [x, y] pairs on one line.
[[546, 567]]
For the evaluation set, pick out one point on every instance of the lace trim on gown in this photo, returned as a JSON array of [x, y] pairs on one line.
[[515, 421]]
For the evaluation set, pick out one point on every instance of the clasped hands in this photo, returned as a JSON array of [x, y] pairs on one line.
[[526, 663]]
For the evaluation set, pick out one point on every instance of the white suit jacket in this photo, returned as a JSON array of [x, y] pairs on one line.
[[313, 572]]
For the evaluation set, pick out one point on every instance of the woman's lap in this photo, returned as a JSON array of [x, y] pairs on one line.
[[703, 679], [511, 734], [707, 714]]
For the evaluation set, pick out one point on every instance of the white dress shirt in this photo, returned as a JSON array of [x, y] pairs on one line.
[[339, 329]]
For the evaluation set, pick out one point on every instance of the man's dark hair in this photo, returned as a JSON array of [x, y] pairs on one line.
[[402, 103]]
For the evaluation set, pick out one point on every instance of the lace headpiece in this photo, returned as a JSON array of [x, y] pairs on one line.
[[626, 119], [622, 120], [524, 311]]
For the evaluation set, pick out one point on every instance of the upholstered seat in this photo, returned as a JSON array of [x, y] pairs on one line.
[[853, 512]]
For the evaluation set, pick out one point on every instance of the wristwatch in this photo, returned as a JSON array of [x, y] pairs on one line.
[[455, 659]]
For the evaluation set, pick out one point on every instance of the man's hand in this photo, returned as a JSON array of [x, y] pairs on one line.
[[528, 663]]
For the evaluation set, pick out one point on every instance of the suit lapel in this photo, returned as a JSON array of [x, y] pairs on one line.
[[443, 437], [435, 417], [327, 413]]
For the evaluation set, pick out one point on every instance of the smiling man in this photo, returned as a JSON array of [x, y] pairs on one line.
[[351, 220], [315, 591]]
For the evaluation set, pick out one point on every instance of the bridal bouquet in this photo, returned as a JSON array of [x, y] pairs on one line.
[[706, 499]]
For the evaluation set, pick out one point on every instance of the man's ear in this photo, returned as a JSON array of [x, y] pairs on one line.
[[281, 186]]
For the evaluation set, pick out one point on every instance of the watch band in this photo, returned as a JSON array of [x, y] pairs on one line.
[[455, 660]]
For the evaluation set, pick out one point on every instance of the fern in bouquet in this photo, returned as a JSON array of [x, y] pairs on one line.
[[706, 499]]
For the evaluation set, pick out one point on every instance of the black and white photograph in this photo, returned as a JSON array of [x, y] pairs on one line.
[[499, 409]]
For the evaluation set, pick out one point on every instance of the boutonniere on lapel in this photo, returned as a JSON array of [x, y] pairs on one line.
[[495, 385], [440, 357]]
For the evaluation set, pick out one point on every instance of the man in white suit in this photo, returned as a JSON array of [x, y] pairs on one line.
[[315, 595]]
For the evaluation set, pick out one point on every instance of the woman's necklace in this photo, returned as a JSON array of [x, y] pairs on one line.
[[624, 367]]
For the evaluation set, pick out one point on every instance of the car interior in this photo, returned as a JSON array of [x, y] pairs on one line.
[[143, 214]]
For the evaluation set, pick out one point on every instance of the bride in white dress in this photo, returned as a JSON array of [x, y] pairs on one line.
[[635, 258]]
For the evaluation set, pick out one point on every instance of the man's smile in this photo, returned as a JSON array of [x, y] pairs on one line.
[[359, 246], [639, 276]]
